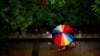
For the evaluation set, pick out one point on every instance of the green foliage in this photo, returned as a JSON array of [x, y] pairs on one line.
[[96, 8], [18, 14]]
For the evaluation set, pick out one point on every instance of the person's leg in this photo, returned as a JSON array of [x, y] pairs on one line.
[[61, 48]]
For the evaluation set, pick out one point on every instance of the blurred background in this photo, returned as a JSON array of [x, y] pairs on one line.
[[26, 26]]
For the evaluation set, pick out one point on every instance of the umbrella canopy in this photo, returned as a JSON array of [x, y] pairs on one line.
[[63, 28], [63, 39], [61, 35]]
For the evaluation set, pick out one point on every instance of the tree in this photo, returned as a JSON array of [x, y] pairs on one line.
[[22, 14], [17, 14]]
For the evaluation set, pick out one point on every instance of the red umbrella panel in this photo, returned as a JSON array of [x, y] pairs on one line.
[[62, 39], [63, 28]]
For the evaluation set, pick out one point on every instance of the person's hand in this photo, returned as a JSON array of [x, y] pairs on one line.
[[72, 45]]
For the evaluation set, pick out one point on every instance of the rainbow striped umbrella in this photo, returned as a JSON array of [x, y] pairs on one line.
[[61, 35]]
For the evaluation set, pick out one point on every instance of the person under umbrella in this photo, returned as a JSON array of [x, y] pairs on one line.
[[62, 36]]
